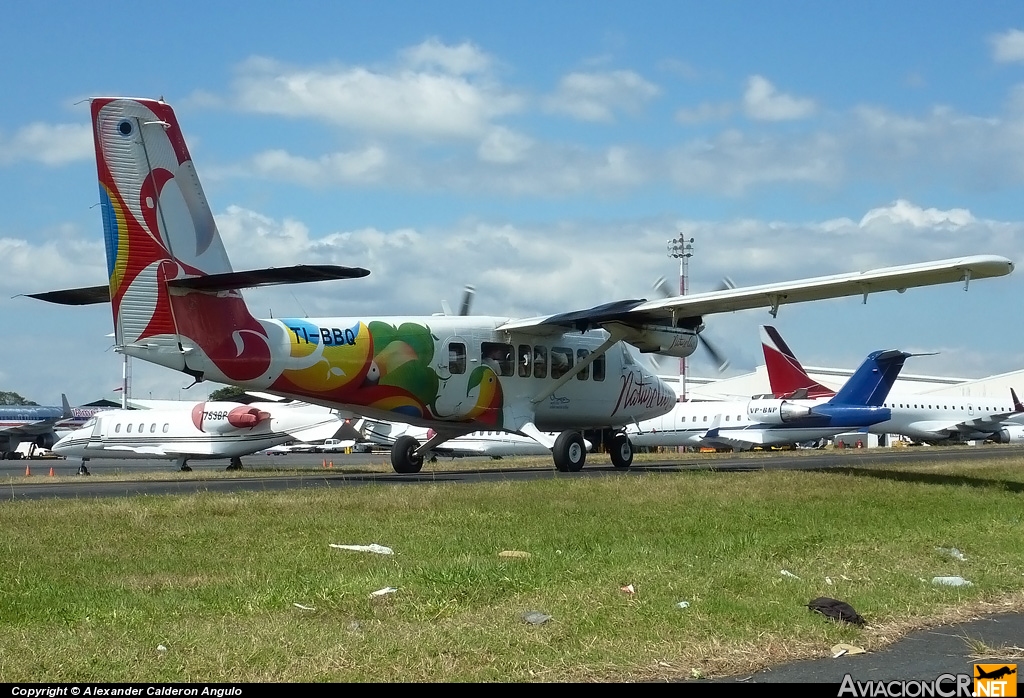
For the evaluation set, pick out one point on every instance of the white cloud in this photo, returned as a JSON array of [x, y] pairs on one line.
[[1008, 47], [597, 96], [902, 212], [705, 111], [361, 167], [503, 145], [733, 162], [421, 104], [763, 102], [50, 144], [457, 60]]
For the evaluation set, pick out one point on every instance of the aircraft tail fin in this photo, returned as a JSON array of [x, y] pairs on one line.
[[785, 374], [174, 295], [871, 382], [1017, 406]]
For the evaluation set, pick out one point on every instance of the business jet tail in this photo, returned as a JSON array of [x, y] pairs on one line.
[[785, 374]]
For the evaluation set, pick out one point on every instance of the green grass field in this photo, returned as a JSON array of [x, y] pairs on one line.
[[90, 589]]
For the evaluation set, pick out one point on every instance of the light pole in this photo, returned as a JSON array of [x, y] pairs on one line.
[[681, 248]]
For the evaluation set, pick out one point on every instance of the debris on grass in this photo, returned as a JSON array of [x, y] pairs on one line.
[[304, 608], [384, 591], [371, 548], [161, 648], [628, 589], [953, 553], [843, 649], [514, 554], [683, 604], [951, 581], [836, 610], [536, 617], [787, 573], [828, 580]]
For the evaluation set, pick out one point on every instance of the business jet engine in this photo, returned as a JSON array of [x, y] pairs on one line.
[[1009, 435], [221, 417], [776, 411]]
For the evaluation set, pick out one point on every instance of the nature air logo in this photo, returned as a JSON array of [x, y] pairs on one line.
[[995, 679]]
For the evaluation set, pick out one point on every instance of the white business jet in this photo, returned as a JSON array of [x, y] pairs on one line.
[[176, 302], [198, 430], [922, 417]]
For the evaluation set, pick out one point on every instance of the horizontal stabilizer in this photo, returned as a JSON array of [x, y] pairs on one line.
[[299, 274]]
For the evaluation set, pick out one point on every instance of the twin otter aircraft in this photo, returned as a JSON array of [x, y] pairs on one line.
[[177, 302]]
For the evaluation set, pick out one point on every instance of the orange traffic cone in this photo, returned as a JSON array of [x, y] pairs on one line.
[[51, 471], [324, 463], [331, 464], [28, 471]]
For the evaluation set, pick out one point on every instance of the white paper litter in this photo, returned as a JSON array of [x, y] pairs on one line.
[[371, 548], [304, 608], [385, 590], [787, 573]]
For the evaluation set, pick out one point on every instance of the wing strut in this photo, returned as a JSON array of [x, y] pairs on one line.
[[614, 335]]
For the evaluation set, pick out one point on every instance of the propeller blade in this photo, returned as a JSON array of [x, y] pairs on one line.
[[467, 299], [716, 356], [662, 287]]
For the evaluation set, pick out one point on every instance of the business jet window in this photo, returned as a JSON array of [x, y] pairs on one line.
[[598, 367], [498, 356], [456, 358], [129, 429], [152, 428], [166, 427], [581, 355], [117, 428], [561, 361], [525, 351], [540, 361]]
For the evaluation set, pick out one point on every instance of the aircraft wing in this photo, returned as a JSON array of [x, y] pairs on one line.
[[679, 308]]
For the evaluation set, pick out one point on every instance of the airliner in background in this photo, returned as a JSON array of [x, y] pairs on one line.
[[773, 421], [33, 424], [920, 417]]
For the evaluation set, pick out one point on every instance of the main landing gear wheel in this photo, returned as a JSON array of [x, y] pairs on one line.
[[235, 464], [402, 458], [621, 451], [570, 453]]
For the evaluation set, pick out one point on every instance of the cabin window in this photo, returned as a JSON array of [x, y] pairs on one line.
[[166, 427], [561, 361], [498, 356], [598, 367], [705, 418], [581, 355], [525, 350], [727, 418], [456, 358], [540, 361], [142, 427], [152, 428], [129, 429], [117, 428]]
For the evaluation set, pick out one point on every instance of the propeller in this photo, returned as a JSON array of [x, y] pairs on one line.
[[467, 301], [665, 291]]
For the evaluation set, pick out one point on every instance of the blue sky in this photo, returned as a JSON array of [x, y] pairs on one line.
[[544, 153]]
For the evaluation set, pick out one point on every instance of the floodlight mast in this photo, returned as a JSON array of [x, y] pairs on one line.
[[681, 248]]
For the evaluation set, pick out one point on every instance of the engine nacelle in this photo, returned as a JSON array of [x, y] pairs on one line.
[[662, 339], [776, 411], [1009, 435], [45, 440], [222, 417]]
